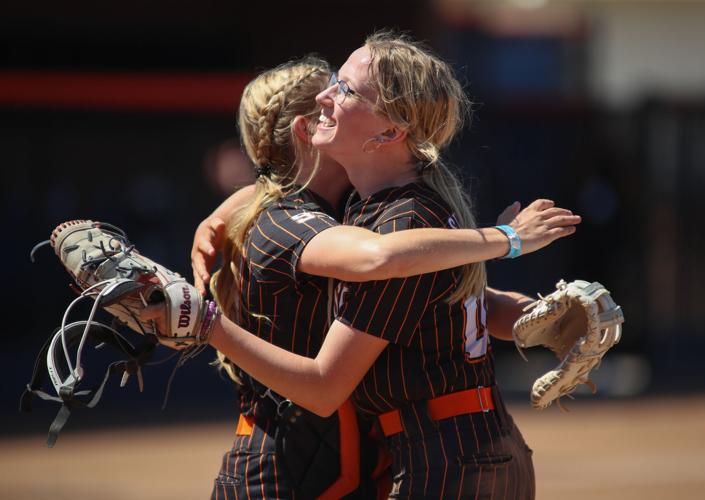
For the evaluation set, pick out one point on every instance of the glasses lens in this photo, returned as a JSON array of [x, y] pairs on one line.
[[342, 88], [343, 91]]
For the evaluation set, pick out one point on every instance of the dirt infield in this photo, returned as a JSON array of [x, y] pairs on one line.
[[650, 449]]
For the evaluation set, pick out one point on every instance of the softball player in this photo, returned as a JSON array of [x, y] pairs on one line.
[[283, 241], [433, 389]]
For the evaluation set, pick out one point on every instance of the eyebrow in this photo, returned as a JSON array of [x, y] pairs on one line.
[[352, 84]]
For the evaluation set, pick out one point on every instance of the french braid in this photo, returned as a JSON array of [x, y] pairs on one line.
[[268, 107]]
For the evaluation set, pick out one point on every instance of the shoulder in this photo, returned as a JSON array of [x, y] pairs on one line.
[[295, 219], [417, 205]]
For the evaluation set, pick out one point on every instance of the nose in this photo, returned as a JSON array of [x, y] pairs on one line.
[[325, 97]]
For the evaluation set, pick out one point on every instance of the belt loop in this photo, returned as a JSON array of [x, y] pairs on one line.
[[483, 407]]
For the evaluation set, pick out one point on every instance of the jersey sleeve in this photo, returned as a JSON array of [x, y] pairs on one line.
[[280, 236], [389, 309]]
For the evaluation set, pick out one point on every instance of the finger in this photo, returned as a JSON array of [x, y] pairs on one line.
[[510, 208], [217, 231], [217, 224], [542, 204], [205, 247], [198, 282], [560, 232], [152, 312], [509, 214], [200, 273], [563, 220], [554, 212]]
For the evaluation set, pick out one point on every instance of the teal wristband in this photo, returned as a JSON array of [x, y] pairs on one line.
[[514, 241]]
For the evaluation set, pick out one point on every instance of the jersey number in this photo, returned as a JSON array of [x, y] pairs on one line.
[[476, 337]]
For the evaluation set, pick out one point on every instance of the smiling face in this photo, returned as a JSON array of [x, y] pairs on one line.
[[344, 128]]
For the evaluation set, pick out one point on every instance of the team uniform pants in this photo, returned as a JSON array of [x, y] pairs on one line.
[[473, 456], [251, 469]]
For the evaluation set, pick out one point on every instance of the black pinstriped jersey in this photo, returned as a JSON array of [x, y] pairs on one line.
[[435, 347], [279, 304]]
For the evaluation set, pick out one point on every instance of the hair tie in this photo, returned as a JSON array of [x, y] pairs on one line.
[[265, 170]]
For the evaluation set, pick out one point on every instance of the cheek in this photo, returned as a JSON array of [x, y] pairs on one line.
[[358, 124]]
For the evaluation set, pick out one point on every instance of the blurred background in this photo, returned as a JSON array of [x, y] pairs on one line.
[[125, 112]]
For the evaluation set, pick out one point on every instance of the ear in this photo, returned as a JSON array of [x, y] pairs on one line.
[[392, 135], [300, 128]]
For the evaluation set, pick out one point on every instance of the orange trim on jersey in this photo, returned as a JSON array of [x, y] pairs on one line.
[[349, 478], [244, 425], [446, 406], [390, 422]]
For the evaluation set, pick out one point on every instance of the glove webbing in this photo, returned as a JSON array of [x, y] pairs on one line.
[[68, 397]]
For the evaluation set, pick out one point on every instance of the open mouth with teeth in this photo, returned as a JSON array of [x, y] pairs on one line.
[[325, 122]]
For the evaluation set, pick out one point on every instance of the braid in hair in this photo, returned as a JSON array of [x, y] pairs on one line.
[[268, 107], [274, 139], [266, 126]]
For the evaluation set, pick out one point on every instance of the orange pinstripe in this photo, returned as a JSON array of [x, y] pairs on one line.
[[380, 300], [479, 482], [274, 223], [296, 321], [425, 450], [406, 315], [261, 458]]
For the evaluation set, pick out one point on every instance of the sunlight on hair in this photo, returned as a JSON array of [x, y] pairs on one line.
[[420, 93]]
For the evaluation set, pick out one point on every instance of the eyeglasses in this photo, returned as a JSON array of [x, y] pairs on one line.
[[344, 90]]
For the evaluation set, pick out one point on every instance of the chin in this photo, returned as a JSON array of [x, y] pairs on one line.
[[320, 142]]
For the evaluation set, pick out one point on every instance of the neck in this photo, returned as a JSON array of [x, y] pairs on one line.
[[331, 182], [377, 171]]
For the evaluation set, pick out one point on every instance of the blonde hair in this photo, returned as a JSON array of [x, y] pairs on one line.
[[268, 107], [420, 93]]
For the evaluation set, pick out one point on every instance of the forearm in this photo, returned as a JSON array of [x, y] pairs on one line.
[[298, 378], [238, 198], [419, 251], [504, 308]]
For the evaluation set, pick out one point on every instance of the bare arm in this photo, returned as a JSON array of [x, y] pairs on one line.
[[356, 254], [209, 235], [503, 309], [320, 385]]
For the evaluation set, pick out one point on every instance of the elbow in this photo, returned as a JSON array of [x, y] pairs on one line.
[[322, 409], [377, 263], [327, 404]]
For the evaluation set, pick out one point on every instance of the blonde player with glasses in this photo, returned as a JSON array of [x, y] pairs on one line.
[[414, 349]]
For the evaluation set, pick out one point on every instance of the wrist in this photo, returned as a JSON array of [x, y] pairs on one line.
[[211, 313], [514, 241]]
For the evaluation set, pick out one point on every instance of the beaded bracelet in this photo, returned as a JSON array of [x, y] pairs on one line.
[[211, 314]]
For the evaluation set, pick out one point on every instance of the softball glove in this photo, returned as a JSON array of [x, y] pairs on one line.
[[108, 269], [579, 322]]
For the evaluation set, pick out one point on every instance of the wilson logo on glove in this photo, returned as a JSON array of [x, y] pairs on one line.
[[185, 316]]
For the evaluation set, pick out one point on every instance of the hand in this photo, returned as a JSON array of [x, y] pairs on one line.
[[157, 314], [541, 223], [509, 213], [206, 242]]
